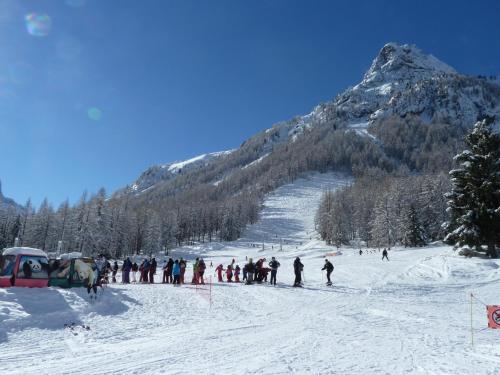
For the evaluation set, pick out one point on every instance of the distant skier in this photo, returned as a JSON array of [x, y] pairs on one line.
[[219, 270], [384, 255], [360, 252], [329, 269], [298, 267], [274, 264]]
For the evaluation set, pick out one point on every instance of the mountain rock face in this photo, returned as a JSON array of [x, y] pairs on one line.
[[166, 172], [7, 203], [402, 80]]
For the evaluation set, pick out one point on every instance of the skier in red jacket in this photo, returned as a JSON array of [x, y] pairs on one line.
[[237, 271], [219, 270]]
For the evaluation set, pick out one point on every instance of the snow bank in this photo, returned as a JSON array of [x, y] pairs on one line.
[[24, 251]]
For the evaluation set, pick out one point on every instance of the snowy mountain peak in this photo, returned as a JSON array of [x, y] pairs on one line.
[[405, 61]]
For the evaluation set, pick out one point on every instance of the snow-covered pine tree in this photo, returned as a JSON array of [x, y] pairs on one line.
[[384, 221], [412, 231], [474, 202]]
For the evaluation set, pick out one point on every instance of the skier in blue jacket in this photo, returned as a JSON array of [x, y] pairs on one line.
[[176, 272]]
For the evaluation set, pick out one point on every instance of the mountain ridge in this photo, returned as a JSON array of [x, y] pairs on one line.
[[401, 80]]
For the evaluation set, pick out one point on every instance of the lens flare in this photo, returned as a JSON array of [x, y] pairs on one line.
[[38, 24], [94, 113]]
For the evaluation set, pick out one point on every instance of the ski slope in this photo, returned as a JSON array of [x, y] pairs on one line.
[[410, 315]]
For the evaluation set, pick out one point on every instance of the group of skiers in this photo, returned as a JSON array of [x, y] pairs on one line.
[[384, 253], [252, 272], [173, 271]]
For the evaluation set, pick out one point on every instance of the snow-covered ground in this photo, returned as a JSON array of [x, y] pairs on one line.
[[408, 315]]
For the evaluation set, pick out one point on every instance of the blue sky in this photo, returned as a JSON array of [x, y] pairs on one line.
[[96, 91]]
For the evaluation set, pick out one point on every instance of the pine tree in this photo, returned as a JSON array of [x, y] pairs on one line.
[[474, 201], [413, 232]]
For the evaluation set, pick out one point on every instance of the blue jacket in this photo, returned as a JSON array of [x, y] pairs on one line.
[[176, 270]]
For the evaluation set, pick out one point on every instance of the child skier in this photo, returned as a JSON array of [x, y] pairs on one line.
[[237, 274], [229, 273], [219, 270]]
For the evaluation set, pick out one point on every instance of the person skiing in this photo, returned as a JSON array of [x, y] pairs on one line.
[[360, 252], [165, 273], [237, 271], [201, 270], [229, 273], [152, 271], [146, 265], [169, 268], [329, 269], [176, 272], [195, 272], [258, 266], [219, 270], [384, 255], [135, 268], [182, 265], [141, 272], [298, 267], [274, 264], [245, 273], [250, 269], [115, 271], [126, 268]]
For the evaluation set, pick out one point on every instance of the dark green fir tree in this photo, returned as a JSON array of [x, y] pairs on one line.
[[474, 202]]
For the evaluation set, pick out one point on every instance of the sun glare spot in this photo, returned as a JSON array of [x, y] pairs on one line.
[[94, 113], [38, 24]]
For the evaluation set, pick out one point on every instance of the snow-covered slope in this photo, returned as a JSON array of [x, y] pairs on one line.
[[166, 172], [408, 315]]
